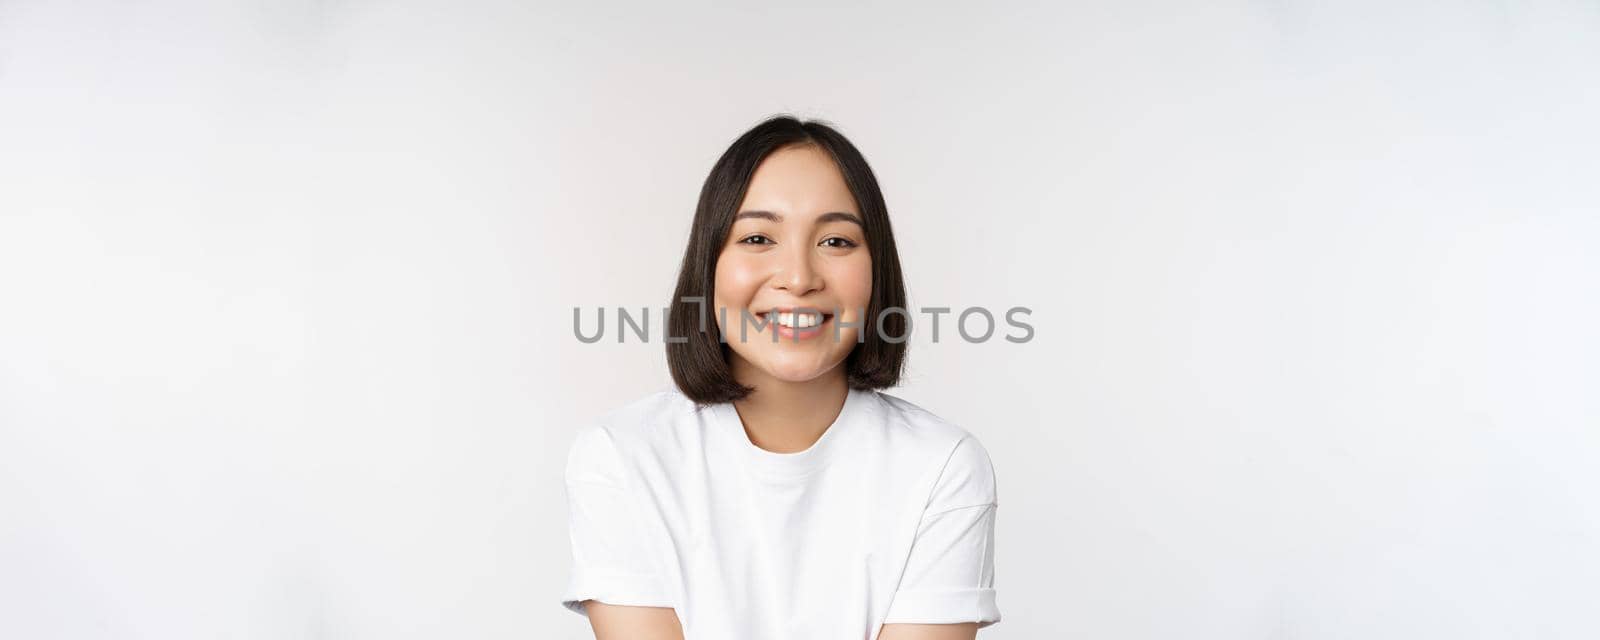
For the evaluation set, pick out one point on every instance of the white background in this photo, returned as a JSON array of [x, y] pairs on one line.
[[286, 295]]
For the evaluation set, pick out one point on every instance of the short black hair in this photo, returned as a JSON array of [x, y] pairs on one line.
[[696, 353]]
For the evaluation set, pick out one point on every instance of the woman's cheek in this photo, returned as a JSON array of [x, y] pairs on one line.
[[859, 284], [736, 283], [741, 272]]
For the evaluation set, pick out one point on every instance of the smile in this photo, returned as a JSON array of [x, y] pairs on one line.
[[793, 325]]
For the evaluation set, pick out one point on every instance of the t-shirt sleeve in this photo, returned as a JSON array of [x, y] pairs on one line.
[[612, 558], [949, 576]]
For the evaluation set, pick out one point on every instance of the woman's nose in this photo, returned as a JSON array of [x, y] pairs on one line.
[[797, 274]]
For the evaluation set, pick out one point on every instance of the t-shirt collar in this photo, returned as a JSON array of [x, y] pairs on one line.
[[797, 464]]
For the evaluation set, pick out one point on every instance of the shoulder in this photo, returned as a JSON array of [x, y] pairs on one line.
[[966, 476], [600, 445], [959, 445], [650, 415], [917, 421]]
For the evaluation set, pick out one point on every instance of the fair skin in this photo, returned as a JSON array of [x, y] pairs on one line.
[[796, 241]]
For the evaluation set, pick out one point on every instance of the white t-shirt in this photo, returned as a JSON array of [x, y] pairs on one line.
[[888, 517]]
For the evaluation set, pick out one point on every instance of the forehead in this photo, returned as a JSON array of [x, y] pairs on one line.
[[799, 180]]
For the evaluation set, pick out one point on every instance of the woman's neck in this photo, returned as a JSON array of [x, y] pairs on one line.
[[788, 417]]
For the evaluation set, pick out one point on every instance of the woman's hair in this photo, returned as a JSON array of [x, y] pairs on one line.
[[695, 352]]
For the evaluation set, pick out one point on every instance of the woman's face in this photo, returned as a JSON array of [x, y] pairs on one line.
[[796, 241]]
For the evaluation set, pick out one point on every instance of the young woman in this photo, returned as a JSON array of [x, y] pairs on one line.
[[775, 492]]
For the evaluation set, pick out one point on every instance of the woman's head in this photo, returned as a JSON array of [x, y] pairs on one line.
[[790, 218]]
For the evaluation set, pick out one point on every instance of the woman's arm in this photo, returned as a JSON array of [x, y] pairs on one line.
[[621, 622], [906, 631]]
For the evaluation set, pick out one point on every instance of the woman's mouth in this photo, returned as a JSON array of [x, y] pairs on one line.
[[797, 325]]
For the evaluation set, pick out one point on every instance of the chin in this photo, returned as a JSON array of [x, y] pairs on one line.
[[796, 371]]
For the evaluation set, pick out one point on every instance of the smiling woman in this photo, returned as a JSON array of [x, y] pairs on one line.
[[813, 257], [791, 213], [776, 491]]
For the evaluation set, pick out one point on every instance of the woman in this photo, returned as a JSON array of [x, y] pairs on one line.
[[776, 492]]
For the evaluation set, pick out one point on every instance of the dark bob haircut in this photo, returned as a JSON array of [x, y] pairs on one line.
[[699, 360]]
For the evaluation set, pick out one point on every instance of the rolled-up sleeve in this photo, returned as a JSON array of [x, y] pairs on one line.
[[613, 560], [949, 576]]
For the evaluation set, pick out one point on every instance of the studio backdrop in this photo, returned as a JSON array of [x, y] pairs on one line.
[[288, 295]]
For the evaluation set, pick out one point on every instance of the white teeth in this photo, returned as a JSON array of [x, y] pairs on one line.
[[795, 320]]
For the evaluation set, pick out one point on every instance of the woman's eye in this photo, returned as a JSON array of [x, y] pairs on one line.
[[844, 243], [747, 239]]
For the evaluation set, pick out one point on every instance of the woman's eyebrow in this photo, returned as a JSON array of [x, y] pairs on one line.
[[758, 214], [839, 216], [831, 216]]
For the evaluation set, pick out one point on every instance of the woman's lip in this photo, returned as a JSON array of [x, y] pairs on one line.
[[768, 314], [796, 333], [821, 310]]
